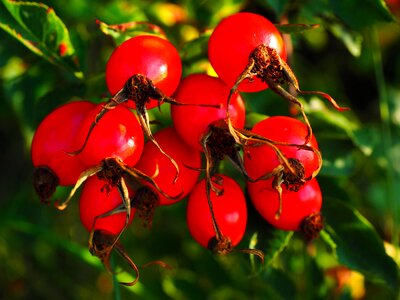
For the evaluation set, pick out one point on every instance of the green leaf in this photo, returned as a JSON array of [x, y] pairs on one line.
[[253, 118], [209, 13], [358, 246], [195, 49], [51, 238], [39, 28], [343, 164], [367, 138], [326, 237], [278, 240], [361, 14], [273, 242], [194, 55], [353, 40], [124, 31], [295, 28]]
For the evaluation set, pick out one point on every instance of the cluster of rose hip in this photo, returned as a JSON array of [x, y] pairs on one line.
[[102, 146]]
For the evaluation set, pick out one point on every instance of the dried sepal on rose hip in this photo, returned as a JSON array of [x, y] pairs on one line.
[[301, 160], [151, 56], [248, 53], [102, 244], [115, 173]]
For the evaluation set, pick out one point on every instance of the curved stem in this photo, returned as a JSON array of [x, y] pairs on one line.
[[144, 122], [248, 136], [110, 104], [327, 97], [210, 186], [285, 94], [122, 252], [246, 74], [140, 176]]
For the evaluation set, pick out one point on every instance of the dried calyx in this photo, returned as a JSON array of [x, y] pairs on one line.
[[266, 64], [222, 245], [145, 202], [45, 182], [311, 226], [218, 143], [116, 173]]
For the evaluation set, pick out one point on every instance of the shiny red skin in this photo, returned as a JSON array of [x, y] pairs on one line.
[[295, 205], [55, 137], [148, 55], [117, 134], [230, 212], [191, 122], [95, 201], [232, 42], [262, 159], [183, 154]]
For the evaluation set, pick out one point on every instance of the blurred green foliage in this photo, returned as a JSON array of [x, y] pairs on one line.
[[352, 55]]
